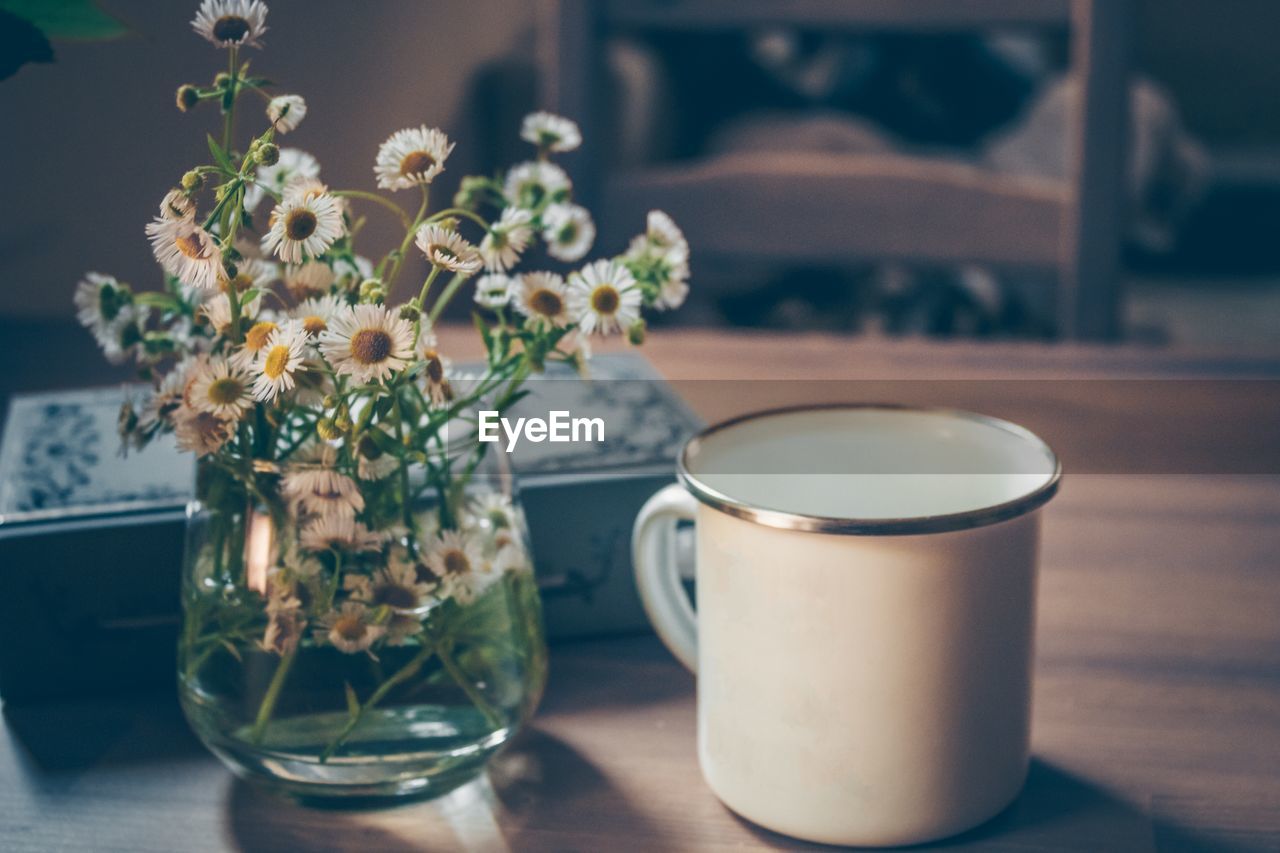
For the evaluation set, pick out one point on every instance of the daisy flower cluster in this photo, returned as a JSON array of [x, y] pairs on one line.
[[309, 379]]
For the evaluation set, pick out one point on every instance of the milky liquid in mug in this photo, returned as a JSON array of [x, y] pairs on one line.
[[870, 464]]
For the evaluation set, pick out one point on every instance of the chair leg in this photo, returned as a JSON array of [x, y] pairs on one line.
[[1089, 304]]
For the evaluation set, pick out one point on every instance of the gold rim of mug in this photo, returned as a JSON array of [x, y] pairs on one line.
[[910, 525]]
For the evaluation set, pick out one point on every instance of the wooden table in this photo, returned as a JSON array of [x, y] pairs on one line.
[[1157, 705]]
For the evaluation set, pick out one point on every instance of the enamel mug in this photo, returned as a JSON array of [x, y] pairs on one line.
[[866, 580]]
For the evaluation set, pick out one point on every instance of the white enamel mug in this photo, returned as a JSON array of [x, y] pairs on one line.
[[866, 582]]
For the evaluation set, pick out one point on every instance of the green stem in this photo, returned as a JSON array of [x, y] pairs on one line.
[[377, 199], [450, 289], [460, 211], [228, 121], [268, 706], [469, 688], [403, 674], [412, 231]]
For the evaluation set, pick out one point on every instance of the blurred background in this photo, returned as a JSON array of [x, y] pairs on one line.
[[1040, 169]]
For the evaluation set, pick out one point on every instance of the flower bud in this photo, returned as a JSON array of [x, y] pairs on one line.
[[187, 97], [327, 429], [127, 421], [343, 423], [410, 313], [192, 181], [329, 401], [372, 290], [268, 154], [635, 334]]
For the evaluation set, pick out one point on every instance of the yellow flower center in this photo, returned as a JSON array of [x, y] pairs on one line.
[[230, 28], [242, 282], [276, 362], [371, 346], [605, 299], [456, 562], [416, 162], [546, 302], [300, 224], [314, 324], [350, 628], [225, 391], [441, 252], [191, 245], [256, 338]]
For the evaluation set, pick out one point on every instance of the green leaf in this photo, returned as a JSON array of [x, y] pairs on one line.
[[219, 155], [76, 20], [353, 701]]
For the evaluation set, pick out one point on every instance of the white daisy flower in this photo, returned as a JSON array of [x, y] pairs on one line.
[[304, 227], [201, 433], [550, 131], [604, 297], [294, 164], [302, 188], [219, 388], [314, 314], [284, 629], [541, 297], [492, 511], [252, 274], [341, 532], [662, 232], [367, 342], [569, 231], [372, 462], [673, 290], [397, 587], [434, 367], [535, 184], [103, 306], [164, 401], [278, 361], [313, 486], [493, 290], [255, 341], [217, 311], [410, 157], [456, 560], [231, 23], [506, 239], [186, 251], [448, 249], [350, 628], [351, 271], [176, 205], [286, 112], [310, 279]]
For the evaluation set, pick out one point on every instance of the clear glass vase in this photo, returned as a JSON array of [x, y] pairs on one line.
[[328, 660]]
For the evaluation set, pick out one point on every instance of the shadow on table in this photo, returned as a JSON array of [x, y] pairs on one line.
[[538, 795], [625, 672], [65, 735], [1056, 811]]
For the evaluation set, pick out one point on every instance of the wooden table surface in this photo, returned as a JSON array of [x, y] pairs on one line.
[[1157, 692]]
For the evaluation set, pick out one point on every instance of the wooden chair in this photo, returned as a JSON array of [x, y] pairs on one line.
[[857, 207]]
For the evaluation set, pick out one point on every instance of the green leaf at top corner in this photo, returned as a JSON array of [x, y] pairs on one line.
[[75, 20]]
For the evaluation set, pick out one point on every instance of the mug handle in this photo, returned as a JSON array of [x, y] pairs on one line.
[[653, 553]]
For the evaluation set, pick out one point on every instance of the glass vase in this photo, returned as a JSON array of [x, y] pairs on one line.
[[326, 659]]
